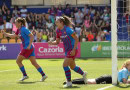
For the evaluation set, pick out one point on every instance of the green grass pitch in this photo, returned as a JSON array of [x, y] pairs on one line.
[[10, 74]]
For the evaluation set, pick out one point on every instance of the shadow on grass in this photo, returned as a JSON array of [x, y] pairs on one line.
[[123, 86], [95, 59], [26, 82], [73, 87]]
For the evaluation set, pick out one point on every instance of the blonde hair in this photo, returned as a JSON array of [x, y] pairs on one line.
[[66, 21], [21, 20], [126, 63]]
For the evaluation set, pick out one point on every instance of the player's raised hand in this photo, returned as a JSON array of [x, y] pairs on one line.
[[3, 31]]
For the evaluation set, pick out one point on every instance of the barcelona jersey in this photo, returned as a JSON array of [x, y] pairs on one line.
[[23, 34], [65, 36]]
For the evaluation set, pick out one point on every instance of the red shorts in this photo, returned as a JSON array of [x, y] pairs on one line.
[[68, 54], [26, 52]]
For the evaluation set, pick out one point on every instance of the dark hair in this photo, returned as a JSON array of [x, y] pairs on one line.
[[21, 20], [66, 21]]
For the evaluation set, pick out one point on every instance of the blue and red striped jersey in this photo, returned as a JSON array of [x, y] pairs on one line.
[[23, 34], [65, 36]]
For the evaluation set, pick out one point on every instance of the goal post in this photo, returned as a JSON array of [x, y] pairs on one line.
[[114, 40]]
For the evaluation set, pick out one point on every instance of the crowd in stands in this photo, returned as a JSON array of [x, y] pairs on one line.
[[90, 23]]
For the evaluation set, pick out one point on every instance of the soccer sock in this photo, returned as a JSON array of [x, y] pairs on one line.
[[67, 73], [78, 70], [23, 71], [41, 71]]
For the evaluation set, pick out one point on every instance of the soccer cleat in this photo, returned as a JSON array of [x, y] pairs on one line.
[[68, 85], [85, 77], [43, 78], [24, 78]]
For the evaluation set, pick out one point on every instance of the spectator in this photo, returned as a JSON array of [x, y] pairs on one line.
[[107, 27], [44, 36], [4, 9], [98, 37], [49, 25], [68, 10], [51, 36], [35, 35], [82, 34], [78, 30], [75, 10], [72, 15], [39, 24], [44, 21], [28, 19], [15, 11], [105, 16], [92, 12], [85, 10], [87, 22], [24, 12], [90, 36], [33, 23], [1, 20], [79, 17], [107, 36], [52, 11], [8, 22], [59, 11]]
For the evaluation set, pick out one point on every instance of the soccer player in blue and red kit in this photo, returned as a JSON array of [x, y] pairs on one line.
[[28, 48], [70, 41]]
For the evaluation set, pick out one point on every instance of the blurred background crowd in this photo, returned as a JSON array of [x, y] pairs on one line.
[[90, 23]]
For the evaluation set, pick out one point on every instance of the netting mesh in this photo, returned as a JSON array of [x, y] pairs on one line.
[[123, 33]]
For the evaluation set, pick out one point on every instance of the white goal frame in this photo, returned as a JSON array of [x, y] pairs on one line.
[[114, 41]]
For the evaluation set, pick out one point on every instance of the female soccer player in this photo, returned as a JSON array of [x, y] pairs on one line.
[[123, 75], [28, 48], [70, 41]]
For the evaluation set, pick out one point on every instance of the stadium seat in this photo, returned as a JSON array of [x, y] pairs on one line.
[[19, 41], [12, 41], [4, 41]]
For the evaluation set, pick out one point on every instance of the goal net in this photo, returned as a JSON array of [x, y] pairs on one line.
[[120, 23]]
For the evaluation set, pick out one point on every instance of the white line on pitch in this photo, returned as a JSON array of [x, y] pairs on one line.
[[6, 70], [105, 87]]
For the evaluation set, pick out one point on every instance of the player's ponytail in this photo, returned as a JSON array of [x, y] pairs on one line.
[[126, 63], [66, 21], [21, 20]]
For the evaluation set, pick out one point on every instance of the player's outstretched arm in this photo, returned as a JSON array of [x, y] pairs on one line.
[[54, 42], [9, 35]]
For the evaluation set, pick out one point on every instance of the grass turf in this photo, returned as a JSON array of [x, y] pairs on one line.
[[10, 74]]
